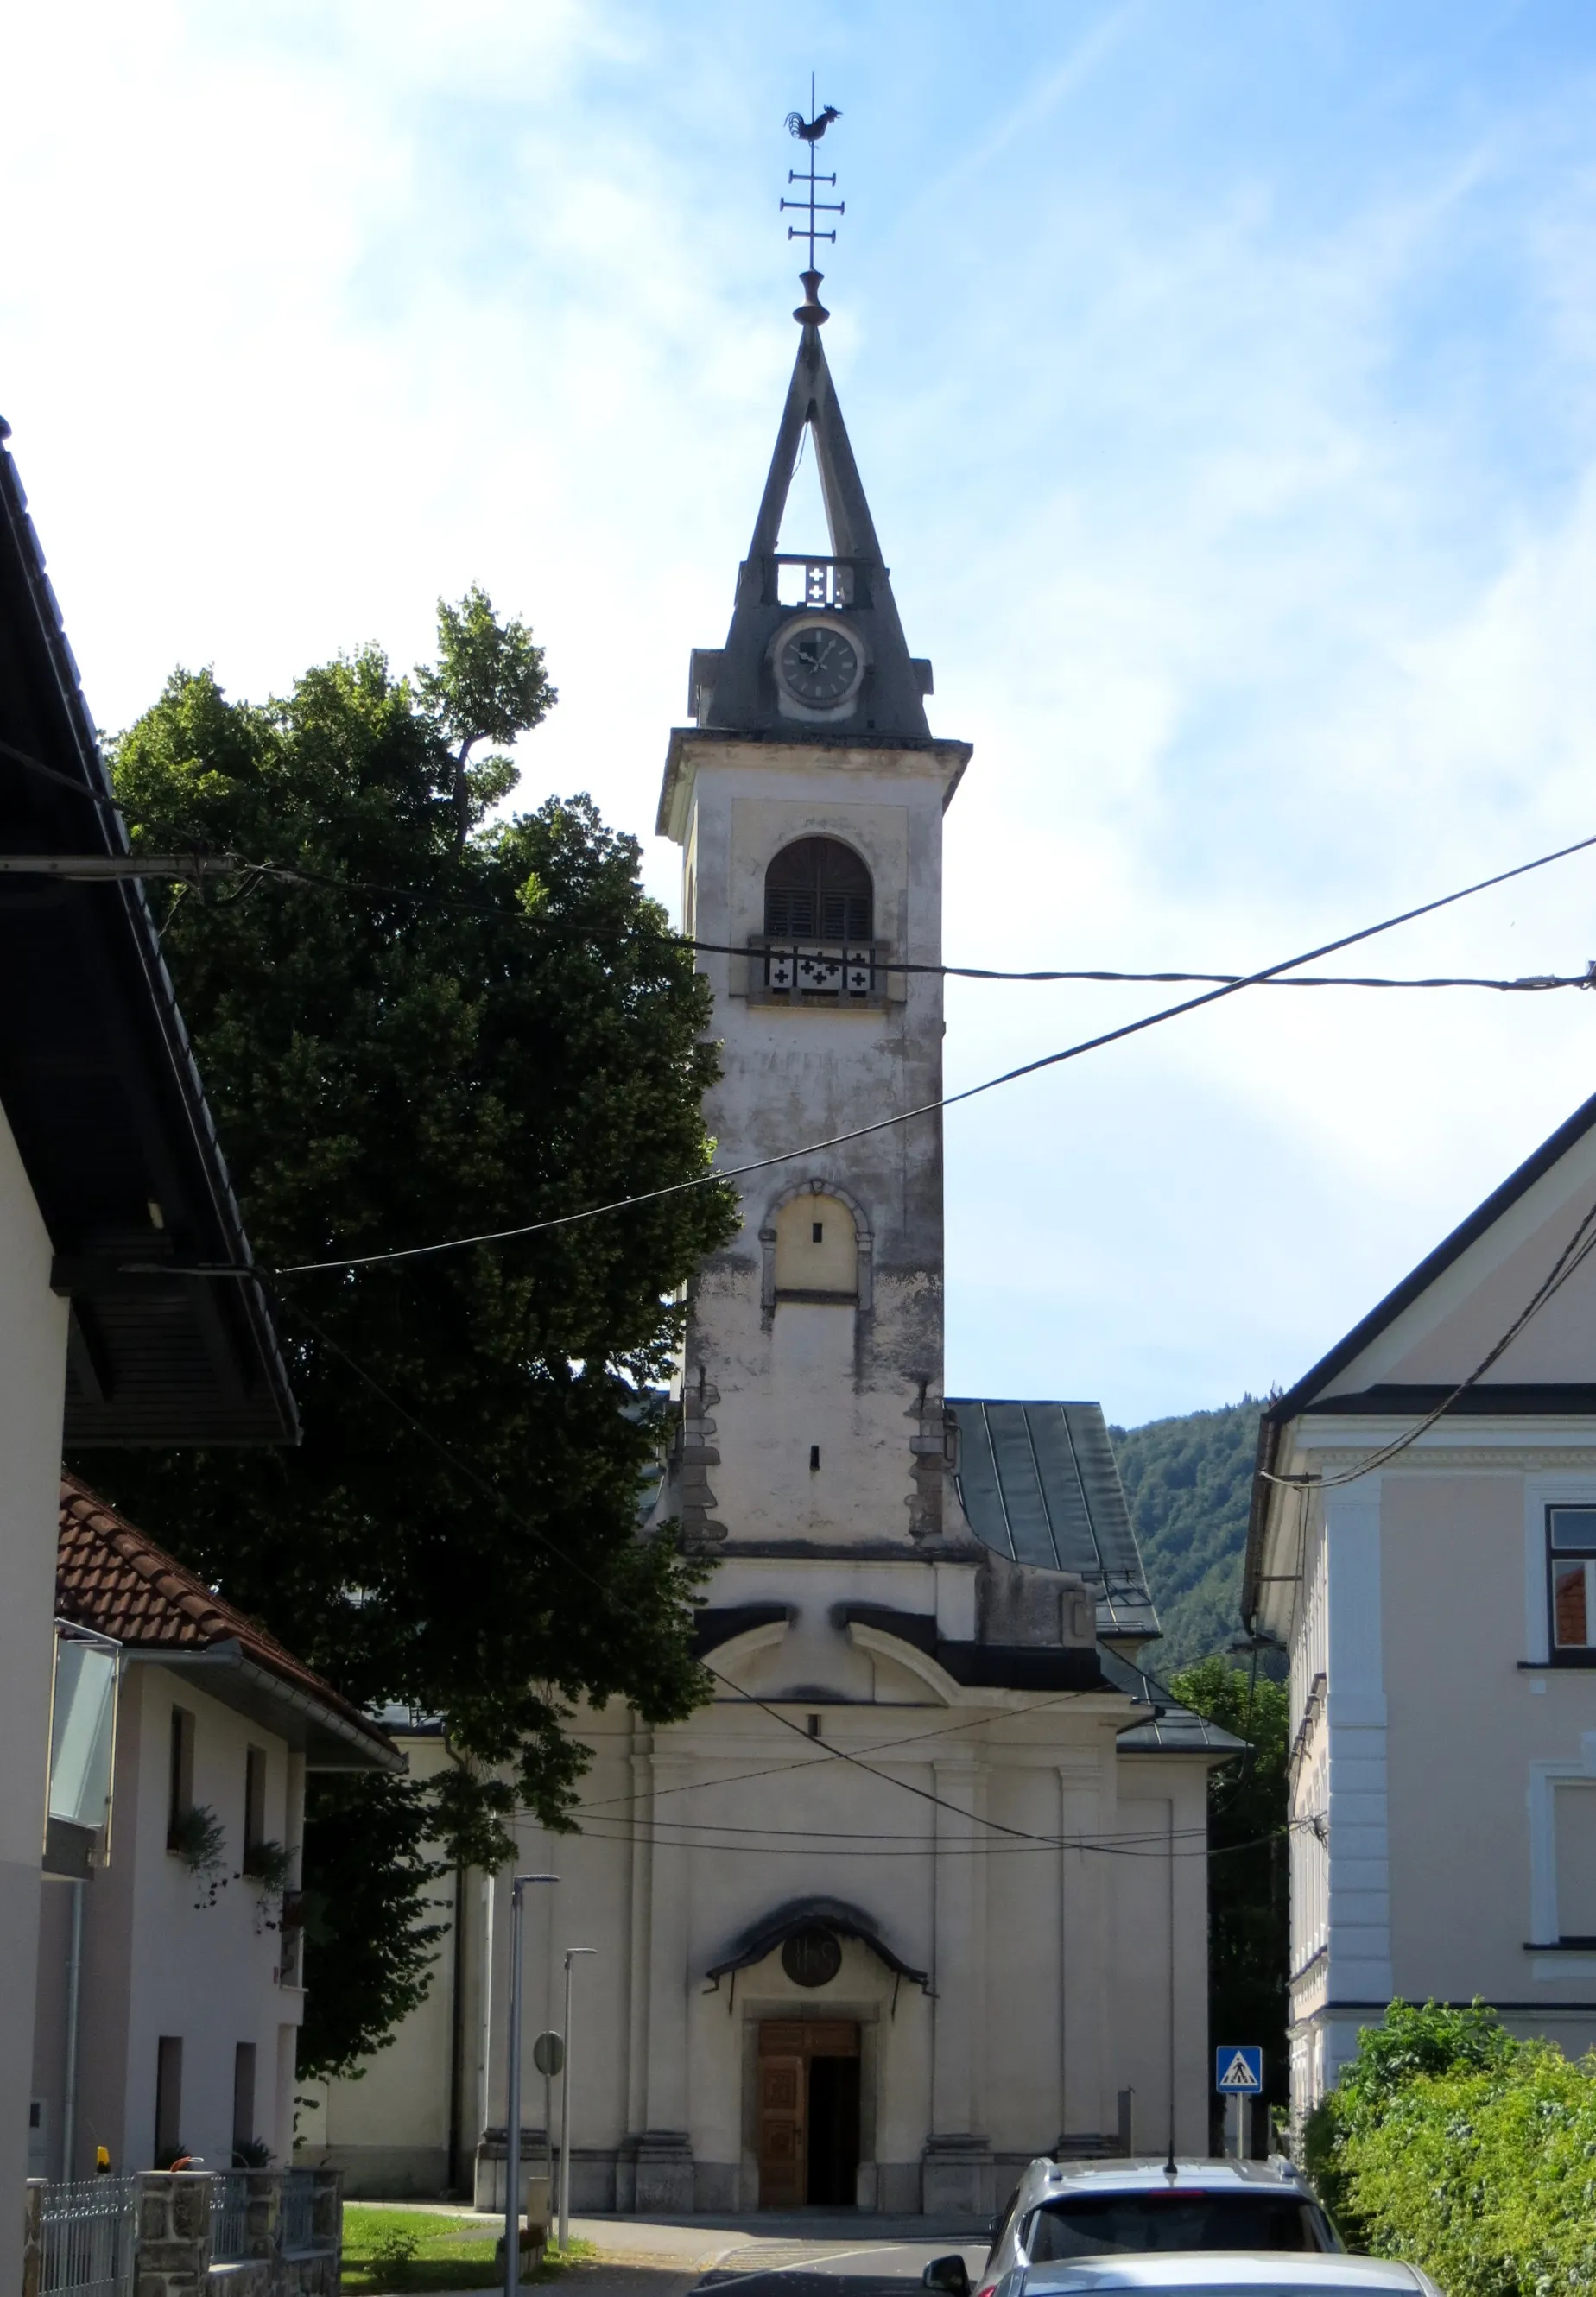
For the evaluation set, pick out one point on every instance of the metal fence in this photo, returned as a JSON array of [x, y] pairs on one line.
[[87, 2237], [229, 2215], [298, 2212]]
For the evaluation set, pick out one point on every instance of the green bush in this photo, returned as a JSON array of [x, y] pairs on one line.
[[1465, 2151]]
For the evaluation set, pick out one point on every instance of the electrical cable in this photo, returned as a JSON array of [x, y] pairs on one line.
[[297, 874], [879, 1746], [485, 1485], [947, 1100]]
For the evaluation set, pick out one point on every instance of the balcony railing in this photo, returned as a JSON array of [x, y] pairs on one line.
[[802, 971]]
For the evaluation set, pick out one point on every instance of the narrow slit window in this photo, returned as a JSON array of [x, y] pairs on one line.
[[180, 1775], [254, 1807], [169, 2100]]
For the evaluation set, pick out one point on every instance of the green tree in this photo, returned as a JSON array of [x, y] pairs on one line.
[[1188, 1483], [420, 1035], [1249, 1898]]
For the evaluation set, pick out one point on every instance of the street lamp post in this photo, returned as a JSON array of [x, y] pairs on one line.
[[571, 1955], [513, 2090]]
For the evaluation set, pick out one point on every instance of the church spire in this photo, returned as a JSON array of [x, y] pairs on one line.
[[814, 646], [815, 643]]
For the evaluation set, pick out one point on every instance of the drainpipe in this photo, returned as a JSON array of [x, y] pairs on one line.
[[456, 2038], [68, 2106]]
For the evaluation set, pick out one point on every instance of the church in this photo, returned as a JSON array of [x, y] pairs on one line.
[[921, 1893]]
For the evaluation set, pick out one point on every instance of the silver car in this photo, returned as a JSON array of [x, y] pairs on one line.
[[1211, 2273], [1075, 2213]]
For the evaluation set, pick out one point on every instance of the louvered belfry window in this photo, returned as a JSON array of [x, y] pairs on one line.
[[818, 889]]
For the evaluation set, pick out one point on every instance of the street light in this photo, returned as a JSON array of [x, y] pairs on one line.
[[571, 1953], [513, 2088]]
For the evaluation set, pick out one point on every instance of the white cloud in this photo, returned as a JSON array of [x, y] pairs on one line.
[[1243, 494]]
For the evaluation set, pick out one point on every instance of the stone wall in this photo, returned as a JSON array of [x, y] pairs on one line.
[[176, 2247]]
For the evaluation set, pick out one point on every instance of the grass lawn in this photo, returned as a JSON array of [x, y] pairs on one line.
[[387, 2250]]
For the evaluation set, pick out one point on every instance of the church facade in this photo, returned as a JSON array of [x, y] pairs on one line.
[[921, 1892]]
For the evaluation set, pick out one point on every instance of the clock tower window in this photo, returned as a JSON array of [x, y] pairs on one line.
[[819, 888]]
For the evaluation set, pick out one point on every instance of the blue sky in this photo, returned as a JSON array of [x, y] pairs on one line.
[[1224, 382]]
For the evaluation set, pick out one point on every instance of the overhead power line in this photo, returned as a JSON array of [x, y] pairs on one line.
[[491, 1490], [946, 1101], [202, 863]]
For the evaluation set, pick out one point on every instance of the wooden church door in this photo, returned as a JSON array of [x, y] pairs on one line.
[[783, 2181], [808, 2111]]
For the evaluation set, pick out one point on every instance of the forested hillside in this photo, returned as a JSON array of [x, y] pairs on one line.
[[1188, 1482]]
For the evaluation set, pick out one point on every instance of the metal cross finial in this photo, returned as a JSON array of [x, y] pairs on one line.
[[812, 311]]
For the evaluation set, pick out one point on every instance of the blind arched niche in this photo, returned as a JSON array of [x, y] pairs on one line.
[[817, 1251]]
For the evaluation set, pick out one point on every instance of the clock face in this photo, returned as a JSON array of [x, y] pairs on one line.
[[819, 664]]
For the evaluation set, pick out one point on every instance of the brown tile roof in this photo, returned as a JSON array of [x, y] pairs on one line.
[[111, 1577]]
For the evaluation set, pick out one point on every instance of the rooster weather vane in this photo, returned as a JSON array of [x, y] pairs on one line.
[[812, 311]]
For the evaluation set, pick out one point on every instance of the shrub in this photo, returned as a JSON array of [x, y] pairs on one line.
[[1465, 2151]]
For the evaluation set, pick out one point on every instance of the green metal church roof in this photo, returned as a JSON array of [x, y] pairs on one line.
[[1039, 1483]]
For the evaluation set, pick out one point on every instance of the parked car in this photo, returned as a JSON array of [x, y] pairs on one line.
[[1210, 2273], [1064, 2213]]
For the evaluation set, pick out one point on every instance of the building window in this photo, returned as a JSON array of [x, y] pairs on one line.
[[254, 1807], [169, 2100], [817, 1251], [1571, 1580], [243, 2106], [818, 889], [180, 1775]]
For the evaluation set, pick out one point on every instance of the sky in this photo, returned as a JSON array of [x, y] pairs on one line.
[[1223, 381]]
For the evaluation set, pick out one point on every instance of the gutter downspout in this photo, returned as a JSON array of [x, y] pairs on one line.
[[68, 2106], [456, 2036]]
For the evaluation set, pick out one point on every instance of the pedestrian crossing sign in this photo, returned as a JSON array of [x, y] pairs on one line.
[[1238, 2069]]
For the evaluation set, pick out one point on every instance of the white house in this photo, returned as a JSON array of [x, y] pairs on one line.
[[1423, 1541], [111, 1186], [922, 1891], [170, 1986]]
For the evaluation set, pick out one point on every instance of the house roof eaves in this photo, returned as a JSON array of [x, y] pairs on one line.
[[1277, 1414], [368, 1747], [116, 1117]]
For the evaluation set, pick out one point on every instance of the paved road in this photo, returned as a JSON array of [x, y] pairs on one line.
[[834, 2268]]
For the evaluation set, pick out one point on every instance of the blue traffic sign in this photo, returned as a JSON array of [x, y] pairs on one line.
[[1238, 2069]]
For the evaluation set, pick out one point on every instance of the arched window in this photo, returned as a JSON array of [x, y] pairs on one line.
[[816, 1249], [818, 887]]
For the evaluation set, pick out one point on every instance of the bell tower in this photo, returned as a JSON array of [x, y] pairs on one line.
[[807, 797]]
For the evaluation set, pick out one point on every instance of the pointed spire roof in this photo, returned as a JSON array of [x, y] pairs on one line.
[[735, 688]]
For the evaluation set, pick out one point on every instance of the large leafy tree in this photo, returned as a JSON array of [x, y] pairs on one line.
[[423, 1024]]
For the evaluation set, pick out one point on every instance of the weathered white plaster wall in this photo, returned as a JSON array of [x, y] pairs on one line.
[[801, 1375], [33, 1341]]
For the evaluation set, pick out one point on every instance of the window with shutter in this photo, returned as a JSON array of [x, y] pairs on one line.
[[819, 888]]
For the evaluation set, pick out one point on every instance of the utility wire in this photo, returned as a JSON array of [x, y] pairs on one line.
[[203, 861], [879, 1746], [486, 1485], [947, 1100]]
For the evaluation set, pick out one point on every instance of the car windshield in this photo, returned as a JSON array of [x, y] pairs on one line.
[[1099, 2225]]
